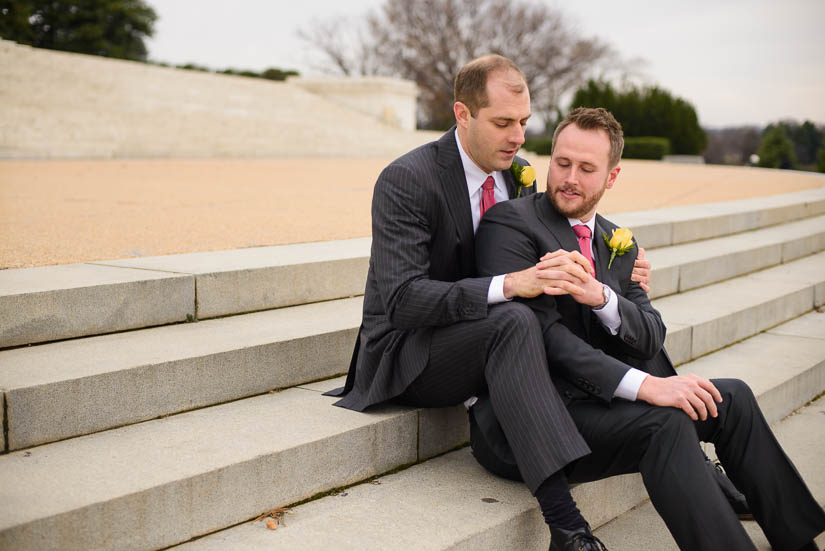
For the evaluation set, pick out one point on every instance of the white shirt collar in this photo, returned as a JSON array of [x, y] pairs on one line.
[[590, 223]]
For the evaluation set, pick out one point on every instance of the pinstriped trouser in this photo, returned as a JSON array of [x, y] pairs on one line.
[[504, 353]]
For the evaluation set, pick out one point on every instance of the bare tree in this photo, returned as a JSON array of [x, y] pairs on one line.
[[428, 41], [345, 46]]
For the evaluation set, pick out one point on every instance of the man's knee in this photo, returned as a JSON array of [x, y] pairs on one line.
[[738, 395], [673, 425], [513, 317], [735, 388]]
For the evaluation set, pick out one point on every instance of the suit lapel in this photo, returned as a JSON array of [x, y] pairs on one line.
[[511, 183], [602, 253], [556, 224], [454, 185]]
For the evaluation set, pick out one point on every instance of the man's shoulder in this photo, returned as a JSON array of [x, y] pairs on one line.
[[521, 161], [521, 209], [607, 224], [424, 157]]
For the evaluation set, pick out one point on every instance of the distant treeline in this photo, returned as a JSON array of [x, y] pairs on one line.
[[785, 144], [271, 74]]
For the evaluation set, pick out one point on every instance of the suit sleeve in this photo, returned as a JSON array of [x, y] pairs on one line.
[[403, 210], [642, 331], [504, 244]]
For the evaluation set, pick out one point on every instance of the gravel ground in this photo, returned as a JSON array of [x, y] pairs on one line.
[[67, 211]]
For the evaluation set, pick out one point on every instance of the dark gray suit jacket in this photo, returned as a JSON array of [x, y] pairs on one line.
[[584, 359], [422, 271]]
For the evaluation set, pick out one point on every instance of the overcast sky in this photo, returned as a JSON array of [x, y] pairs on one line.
[[737, 61]]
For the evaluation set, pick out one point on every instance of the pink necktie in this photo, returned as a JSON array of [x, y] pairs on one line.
[[488, 196], [583, 233]]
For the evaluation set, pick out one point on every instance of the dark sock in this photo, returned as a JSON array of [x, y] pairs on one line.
[[557, 504], [810, 546]]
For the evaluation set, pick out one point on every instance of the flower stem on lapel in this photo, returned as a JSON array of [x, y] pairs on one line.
[[525, 176], [619, 243]]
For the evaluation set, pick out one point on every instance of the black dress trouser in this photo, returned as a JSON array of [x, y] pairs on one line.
[[503, 354], [660, 442]]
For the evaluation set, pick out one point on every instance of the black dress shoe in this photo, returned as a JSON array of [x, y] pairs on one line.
[[736, 499], [575, 540]]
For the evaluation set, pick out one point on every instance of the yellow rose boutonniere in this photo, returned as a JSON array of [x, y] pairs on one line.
[[619, 243], [525, 176]]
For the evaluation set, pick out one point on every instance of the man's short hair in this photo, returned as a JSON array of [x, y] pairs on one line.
[[470, 87], [595, 118]]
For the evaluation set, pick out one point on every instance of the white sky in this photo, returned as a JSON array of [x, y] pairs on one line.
[[737, 61]]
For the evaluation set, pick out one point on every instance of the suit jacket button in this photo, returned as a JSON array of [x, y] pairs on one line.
[[568, 394]]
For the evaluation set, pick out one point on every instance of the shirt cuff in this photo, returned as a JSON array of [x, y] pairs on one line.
[[629, 385], [609, 314], [495, 293]]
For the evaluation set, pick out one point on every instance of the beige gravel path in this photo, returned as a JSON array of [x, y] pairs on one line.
[[58, 212]]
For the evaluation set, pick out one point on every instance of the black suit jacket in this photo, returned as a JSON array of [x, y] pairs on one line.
[[422, 270], [585, 360]]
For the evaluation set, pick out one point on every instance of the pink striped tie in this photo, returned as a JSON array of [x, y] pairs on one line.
[[583, 234], [488, 196]]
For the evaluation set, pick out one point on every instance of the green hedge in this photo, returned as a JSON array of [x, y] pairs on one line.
[[539, 146], [646, 148]]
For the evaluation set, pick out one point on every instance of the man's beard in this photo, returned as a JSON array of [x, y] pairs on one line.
[[588, 204]]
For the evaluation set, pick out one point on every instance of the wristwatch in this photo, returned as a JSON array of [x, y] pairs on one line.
[[607, 292]]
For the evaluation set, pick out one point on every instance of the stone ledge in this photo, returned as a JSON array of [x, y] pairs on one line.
[[59, 302], [196, 472], [260, 278], [77, 387]]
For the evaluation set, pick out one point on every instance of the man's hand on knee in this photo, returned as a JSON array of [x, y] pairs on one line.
[[641, 271], [694, 395]]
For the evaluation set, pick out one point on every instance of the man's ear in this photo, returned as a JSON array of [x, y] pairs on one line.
[[462, 114], [611, 177]]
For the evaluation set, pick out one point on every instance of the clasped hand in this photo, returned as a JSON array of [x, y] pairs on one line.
[[557, 273], [568, 273]]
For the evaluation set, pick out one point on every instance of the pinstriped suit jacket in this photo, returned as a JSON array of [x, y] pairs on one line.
[[421, 272]]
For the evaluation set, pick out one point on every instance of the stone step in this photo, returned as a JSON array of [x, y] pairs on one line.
[[168, 480], [451, 503], [702, 320], [688, 266], [676, 225], [61, 302], [261, 278], [65, 389], [164, 481], [802, 435], [51, 303]]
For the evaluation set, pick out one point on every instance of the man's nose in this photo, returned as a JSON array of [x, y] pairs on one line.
[[517, 136]]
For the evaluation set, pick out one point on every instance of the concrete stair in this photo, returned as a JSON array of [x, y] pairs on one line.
[[61, 302], [129, 436], [452, 503]]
